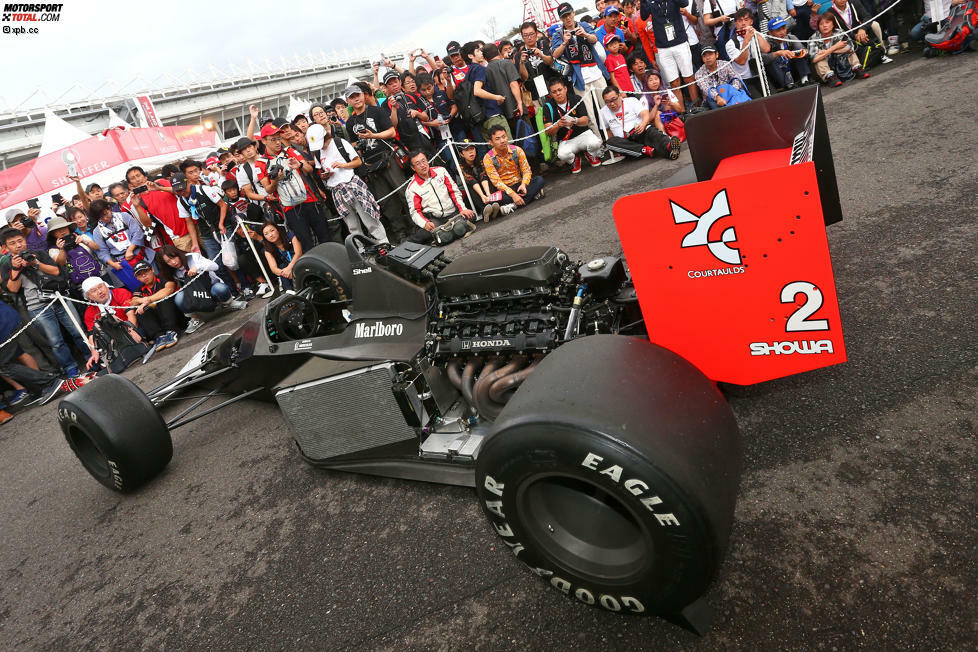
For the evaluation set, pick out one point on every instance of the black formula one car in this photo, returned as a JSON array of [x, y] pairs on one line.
[[593, 430]]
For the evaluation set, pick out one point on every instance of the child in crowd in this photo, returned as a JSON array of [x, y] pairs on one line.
[[487, 202], [615, 63]]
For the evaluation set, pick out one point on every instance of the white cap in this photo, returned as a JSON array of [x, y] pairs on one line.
[[91, 282], [316, 137]]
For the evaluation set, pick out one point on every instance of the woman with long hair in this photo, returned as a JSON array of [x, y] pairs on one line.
[[282, 249], [187, 268]]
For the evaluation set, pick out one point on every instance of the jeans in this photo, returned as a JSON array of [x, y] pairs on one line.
[[305, 219], [219, 291], [49, 322], [803, 29], [532, 188], [33, 380], [780, 68]]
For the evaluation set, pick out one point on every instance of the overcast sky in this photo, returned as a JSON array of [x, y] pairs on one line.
[[125, 39]]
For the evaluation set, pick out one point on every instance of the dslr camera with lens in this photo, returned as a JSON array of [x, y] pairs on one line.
[[70, 240]]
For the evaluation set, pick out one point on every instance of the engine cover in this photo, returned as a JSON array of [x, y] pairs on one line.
[[513, 269]]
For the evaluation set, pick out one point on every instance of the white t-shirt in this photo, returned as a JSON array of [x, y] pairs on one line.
[[726, 8], [629, 114], [329, 156], [741, 70]]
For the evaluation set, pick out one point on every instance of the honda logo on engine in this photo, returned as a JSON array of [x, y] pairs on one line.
[[378, 329], [700, 235]]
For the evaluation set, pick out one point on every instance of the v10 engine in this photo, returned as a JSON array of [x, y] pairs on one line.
[[498, 314]]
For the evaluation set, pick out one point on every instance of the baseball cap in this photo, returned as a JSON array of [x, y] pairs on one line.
[[211, 160], [91, 282], [141, 266], [564, 8], [279, 122], [453, 47], [243, 142], [92, 185], [391, 75], [316, 137], [608, 38], [268, 130], [611, 10], [350, 91], [178, 181], [14, 213], [708, 48], [776, 23]]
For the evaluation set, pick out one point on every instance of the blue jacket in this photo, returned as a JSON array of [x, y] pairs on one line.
[[556, 33]]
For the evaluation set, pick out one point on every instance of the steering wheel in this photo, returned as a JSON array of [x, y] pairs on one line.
[[295, 318]]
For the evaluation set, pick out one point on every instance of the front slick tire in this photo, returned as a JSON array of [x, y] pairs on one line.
[[616, 484], [116, 432]]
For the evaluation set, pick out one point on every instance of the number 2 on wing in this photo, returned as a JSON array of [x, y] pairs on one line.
[[798, 321]]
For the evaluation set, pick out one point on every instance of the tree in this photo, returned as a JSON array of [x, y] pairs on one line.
[[490, 29]]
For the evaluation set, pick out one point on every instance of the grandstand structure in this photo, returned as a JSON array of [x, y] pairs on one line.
[[219, 102]]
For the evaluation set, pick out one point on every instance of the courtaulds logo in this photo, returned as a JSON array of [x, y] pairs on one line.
[[700, 235]]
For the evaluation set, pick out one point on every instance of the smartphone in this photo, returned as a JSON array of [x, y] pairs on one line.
[[33, 203], [56, 198], [139, 189]]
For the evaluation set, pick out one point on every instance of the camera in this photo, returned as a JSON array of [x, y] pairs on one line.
[[28, 222], [70, 240], [29, 258], [56, 198], [275, 171], [33, 203], [140, 189]]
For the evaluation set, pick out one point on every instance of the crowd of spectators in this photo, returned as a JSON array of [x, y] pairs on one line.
[[153, 254]]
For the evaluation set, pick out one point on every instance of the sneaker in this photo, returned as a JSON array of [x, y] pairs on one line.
[[264, 290], [5, 417], [594, 161], [887, 59], [893, 49], [648, 151], [247, 294], [19, 397], [674, 147], [486, 213], [166, 340], [48, 393], [539, 195], [861, 73], [235, 304], [576, 167], [193, 326], [507, 209]]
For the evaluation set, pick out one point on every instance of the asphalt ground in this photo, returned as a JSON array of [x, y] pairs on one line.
[[856, 520]]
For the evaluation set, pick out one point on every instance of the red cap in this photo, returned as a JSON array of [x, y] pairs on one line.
[[211, 161], [608, 38], [268, 130]]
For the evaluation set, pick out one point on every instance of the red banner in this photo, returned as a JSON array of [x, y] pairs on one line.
[[148, 111], [48, 173]]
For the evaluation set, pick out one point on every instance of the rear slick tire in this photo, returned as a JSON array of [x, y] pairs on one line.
[[327, 268], [612, 474], [116, 432]]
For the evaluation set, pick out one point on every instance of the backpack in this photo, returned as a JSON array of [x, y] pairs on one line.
[[870, 55], [81, 264], [114, 339], [469, 109], [963, 21], [525, 139]]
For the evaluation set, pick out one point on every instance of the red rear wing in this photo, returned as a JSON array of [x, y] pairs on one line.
[[734, 273]]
